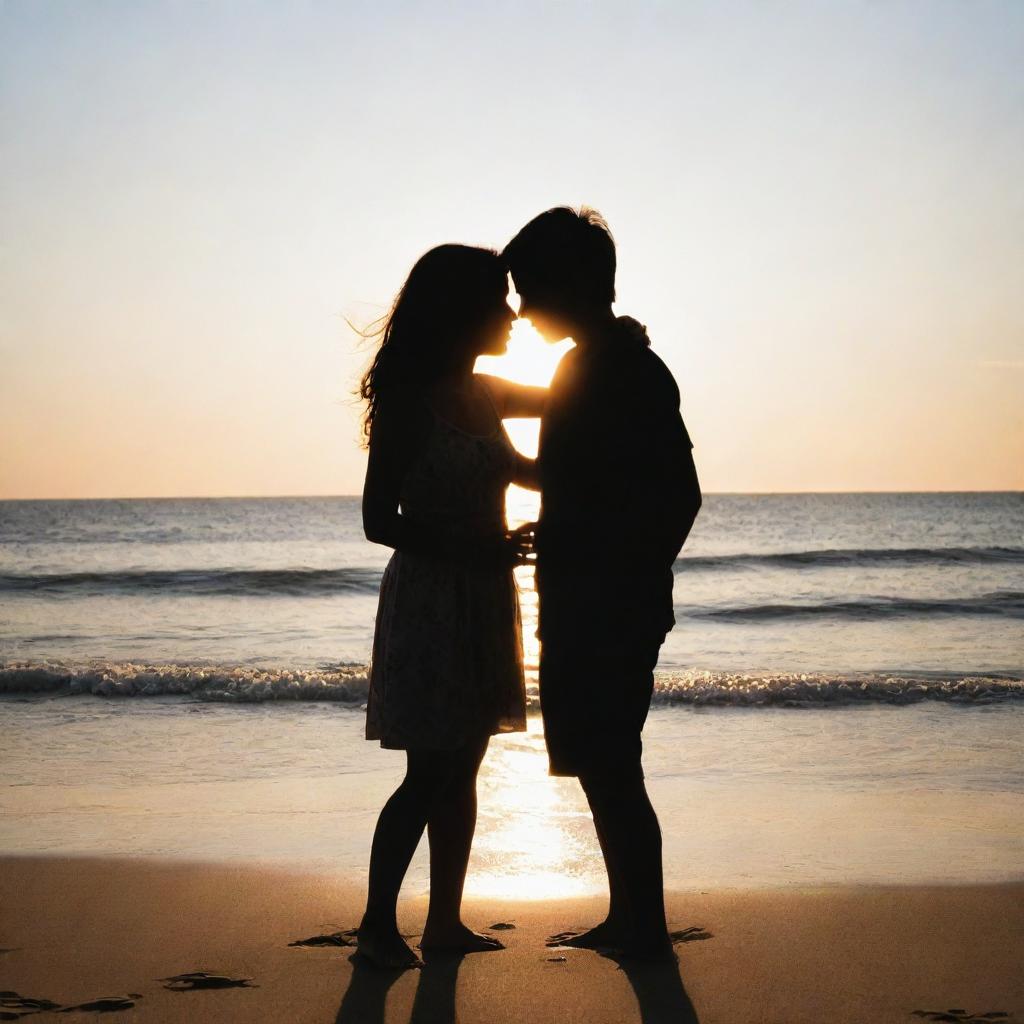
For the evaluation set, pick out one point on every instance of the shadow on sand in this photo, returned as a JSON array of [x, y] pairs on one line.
[[434, 1003], [660, 994]]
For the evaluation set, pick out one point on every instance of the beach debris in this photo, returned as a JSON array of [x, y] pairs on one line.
[[105, 1004], [501, 926], [13, 1005], [961, 1016], [695, 933], [556, 959], [201, 980], [342, 937]]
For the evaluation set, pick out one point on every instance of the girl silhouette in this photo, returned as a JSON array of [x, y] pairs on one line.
[[447, 666]]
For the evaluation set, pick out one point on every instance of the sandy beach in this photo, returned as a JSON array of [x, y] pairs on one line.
[[73, 930]]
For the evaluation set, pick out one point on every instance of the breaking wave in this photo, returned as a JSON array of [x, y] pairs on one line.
[[1006, 603], [348, 684], [298, 582], [856, 558], [229, 582]]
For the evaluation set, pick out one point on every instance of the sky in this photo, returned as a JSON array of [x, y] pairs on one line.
[[818, 206]]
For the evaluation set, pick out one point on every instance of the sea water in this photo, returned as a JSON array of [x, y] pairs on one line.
[[842, 698]]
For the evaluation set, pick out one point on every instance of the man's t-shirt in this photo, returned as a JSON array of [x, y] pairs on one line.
[[616, 496]]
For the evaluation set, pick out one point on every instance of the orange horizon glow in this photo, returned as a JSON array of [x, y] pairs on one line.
[[194, 206]]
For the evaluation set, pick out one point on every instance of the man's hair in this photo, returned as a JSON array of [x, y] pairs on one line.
[[567, 251]]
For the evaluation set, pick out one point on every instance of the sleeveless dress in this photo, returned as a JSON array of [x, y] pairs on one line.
[[447, 663]]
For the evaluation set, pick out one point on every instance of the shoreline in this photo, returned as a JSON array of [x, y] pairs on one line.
[[74, 929]]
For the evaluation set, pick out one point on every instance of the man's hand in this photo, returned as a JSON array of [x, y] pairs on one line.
[[634, 330], [523, 539], [501, 550]]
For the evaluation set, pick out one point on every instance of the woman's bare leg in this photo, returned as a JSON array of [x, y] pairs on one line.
[[399, 829], [450, 828]]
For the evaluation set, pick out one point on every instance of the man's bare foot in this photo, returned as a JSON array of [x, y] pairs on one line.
[[458, 939], [385, 949], [606, 935]]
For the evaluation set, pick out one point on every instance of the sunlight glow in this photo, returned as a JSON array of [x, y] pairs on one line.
[[529, 358], [534, 838]]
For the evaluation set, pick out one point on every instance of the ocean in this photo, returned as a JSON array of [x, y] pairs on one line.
[[842, 698]]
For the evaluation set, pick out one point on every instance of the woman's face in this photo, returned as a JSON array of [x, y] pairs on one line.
[[496, 328]]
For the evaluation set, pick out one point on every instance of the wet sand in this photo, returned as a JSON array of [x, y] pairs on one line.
[[73, 930]]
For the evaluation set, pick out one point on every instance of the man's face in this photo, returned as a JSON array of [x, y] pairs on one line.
[[542, 309]]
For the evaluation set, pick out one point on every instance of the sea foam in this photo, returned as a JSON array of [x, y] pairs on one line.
[[348, 684]]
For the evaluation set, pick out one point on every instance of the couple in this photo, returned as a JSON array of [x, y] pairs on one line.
[[619, 494]]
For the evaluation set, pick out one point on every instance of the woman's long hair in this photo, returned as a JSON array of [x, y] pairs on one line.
[[447, 298]]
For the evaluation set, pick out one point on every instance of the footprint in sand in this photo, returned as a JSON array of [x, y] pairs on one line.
[[105, 1004], [693, 934], [346, 937], [195, 980], [14, 1006], [961, 1016]]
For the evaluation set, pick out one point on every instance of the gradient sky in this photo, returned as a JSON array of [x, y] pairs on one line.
[[819, 208]]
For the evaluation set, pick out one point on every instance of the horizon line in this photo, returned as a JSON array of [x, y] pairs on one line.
[[750, 494]]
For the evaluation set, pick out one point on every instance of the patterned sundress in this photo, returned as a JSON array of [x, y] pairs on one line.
[[447, 664]]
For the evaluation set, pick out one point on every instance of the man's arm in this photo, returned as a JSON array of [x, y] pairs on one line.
[[659, 491]]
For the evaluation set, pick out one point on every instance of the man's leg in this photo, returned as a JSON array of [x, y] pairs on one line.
[[633, 837], [613, 779], [595, 710], [614, 930], [562, 706]]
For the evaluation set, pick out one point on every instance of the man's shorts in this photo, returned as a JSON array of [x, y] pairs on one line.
[[594, 705]]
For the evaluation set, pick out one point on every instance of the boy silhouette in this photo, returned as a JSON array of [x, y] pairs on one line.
[[619, 493]]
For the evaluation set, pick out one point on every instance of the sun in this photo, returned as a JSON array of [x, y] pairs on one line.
[[529, 358]]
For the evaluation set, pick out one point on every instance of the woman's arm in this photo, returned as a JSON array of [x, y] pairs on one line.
[[394, 443], [525, 474], [515, 400]]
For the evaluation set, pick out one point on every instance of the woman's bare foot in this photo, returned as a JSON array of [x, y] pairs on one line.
[[385, 949], [457, 939], [606, 935]]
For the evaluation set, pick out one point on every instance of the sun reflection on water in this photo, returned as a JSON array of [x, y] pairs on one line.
[[528, 360], [534, 837]]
